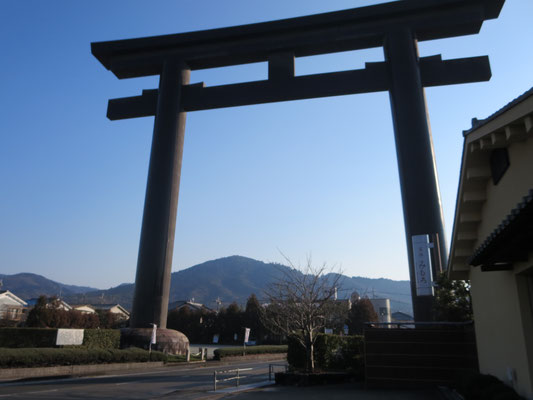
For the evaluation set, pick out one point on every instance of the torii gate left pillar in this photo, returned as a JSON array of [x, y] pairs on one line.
[[156, 246], [396, 26]]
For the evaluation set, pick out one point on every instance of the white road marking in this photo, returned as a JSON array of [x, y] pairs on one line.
[[25, 393]]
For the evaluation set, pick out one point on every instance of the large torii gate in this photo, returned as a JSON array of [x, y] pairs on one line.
[[396, 26]]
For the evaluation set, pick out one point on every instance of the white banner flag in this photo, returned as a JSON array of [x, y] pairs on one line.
[[422, 261], [154, 332], [246, 334]]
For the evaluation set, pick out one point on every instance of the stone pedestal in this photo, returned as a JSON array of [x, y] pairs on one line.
[[168, 340]]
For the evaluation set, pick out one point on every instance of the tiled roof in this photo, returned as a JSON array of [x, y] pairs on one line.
[[505, 243]]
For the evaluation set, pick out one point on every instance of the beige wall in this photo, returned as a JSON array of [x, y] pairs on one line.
[[514, 185], [502, 300], [503, 326]]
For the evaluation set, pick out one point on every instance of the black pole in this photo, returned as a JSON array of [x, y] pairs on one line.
[[416, 160], [152, 282]]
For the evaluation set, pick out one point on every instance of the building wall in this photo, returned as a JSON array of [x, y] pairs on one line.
[[382, 309], [503, 326], [10, 308], [502, 300], [514, 185], [85, 309]]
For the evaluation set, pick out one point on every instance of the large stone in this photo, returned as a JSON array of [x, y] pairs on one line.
[[167, 340]]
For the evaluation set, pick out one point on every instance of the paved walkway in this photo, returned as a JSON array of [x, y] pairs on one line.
[[332, 392]]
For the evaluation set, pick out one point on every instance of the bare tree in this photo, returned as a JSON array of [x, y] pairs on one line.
[[298, 303]]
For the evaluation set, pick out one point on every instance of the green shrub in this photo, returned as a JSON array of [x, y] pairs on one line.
[[475, 386], [27, 337], [46, 337], [101, 338], [296, 355], [238, 351], [331, 353], [48, 357]]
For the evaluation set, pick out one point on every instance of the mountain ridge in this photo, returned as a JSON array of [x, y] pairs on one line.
[[234, 279], [27, 285]]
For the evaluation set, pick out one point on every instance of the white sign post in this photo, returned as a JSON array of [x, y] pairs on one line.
[[246, 338], [422, 261], [153, 338]]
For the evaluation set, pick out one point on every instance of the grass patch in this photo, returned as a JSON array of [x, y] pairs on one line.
[[171, 358]]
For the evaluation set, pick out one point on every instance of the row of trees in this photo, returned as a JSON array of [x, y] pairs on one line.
[[48, 313], [201, 326]]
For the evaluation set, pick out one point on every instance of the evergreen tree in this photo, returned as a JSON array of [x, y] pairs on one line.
[[452, 300], [362, 311], [252, 318]]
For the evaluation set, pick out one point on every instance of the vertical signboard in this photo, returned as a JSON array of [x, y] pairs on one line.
[[422, 261]]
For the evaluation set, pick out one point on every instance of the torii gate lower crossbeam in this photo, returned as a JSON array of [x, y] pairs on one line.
[[396, 26]]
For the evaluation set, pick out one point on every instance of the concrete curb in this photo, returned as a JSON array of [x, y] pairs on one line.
[[68, 370], [256, 357], [12, 374], [243, 388]]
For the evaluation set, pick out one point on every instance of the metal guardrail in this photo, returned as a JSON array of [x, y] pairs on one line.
[[237, 376], [271, 369], [412, 324]]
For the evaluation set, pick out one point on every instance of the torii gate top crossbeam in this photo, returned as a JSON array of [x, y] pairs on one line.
[[346, 30]]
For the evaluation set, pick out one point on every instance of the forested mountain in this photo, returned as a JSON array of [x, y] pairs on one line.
[[230, 279], [28, 286]]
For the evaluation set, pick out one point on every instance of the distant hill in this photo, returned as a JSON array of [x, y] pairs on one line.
[[28, 286], [399, 292], [235, 278]]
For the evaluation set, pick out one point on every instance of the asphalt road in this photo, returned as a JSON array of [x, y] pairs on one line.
[[189, 382]]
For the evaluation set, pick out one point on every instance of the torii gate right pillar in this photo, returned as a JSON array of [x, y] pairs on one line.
[[422, 208]]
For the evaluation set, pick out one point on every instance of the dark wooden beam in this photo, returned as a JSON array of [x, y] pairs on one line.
[[345, 30], [502, 266], [133, 107], [281, 66], [373, 78], [435, 72]]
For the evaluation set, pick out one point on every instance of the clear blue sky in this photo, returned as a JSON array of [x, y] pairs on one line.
[[317, 176]]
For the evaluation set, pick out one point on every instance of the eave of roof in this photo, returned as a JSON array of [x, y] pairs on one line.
[[511, 240], [478, 123], [512, 123], [14, 297]]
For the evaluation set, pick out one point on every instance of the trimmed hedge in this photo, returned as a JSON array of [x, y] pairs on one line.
[[46, 337], [331, 353], [27, 337], [475, 386], [101, 338], [237, 351], [41, 357]]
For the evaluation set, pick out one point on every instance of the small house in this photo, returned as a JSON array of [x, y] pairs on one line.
[[12, 307]]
